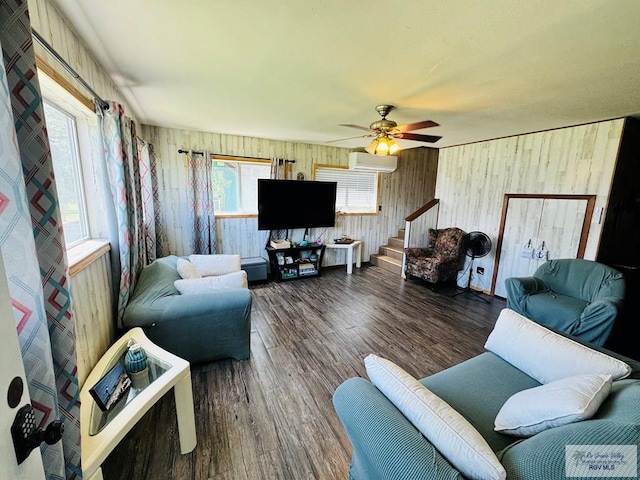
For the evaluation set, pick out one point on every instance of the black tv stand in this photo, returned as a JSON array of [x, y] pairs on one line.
[[295, 262]]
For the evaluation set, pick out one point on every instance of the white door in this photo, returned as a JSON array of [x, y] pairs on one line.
[[556, 222], [11, 366], [518, 230]]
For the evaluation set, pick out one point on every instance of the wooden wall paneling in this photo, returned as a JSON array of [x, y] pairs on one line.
[[420, 228], [472, 179], [401, 192], [93, 314]]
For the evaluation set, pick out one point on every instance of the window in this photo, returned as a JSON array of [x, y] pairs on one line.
[[235, 184], [357, 192], [63, 139], [75, 152]]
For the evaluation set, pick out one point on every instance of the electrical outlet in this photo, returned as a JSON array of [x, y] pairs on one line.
[[480, 270]]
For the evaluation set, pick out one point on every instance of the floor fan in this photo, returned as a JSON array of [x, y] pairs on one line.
[[478, 245]]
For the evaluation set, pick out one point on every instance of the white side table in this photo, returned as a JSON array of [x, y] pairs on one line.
[[350, 247], [102, 431]]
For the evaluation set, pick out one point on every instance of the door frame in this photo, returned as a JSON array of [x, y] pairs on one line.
[[584, 234]]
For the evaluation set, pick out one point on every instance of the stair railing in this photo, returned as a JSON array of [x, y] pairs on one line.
[[407, 226]]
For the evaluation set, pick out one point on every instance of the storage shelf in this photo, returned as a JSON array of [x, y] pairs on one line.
[[295, 263]]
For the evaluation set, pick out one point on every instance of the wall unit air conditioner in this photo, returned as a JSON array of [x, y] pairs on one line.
[[372, 163]]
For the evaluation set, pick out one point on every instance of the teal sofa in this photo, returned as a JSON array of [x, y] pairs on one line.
[[387, 446], [198, 327], [579, 297]]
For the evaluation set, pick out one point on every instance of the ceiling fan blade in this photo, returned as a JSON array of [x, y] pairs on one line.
[[350, 138], [417, 126], [355, 126], [418, 137]]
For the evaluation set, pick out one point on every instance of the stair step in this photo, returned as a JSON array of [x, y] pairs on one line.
[[391, 264], [396, 242], [392, 252], [401, 233]]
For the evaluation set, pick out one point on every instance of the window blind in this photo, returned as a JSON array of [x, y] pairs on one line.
[[357, 192]]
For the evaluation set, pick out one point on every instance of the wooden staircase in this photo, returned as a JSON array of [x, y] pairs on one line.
[[390, 255]]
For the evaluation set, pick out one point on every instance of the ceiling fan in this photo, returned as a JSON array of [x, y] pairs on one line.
[[385, 131]]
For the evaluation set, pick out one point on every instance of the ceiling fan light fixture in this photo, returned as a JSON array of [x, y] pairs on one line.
[[383, 145], [371, 148]]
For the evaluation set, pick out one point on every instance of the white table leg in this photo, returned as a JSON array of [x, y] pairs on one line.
[[185, 414], [350, 260], [359, 255]]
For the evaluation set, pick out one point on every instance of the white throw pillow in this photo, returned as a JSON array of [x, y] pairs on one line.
[[545, 355], [217, 264], [553, 404], [454, 437], [186, 269], [189, 286]]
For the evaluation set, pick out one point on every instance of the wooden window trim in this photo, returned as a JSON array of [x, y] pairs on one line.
[[83, 254], [49, 71]]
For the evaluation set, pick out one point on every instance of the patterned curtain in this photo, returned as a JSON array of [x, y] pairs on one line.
[[201, 203], [123, 169], [278, 169], [33, 248], [278, 172], [159, 244], [150, 202]]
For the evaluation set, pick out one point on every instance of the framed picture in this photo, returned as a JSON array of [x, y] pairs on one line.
[[111, 387]]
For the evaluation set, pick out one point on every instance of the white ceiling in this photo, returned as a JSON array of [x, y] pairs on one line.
[[295, 70]]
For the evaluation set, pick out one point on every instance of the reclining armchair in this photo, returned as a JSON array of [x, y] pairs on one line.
[[441, 260], [579, 297]]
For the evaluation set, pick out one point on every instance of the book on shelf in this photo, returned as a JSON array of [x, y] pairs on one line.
[[307, 269]]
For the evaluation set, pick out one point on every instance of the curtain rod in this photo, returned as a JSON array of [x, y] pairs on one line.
[[104, 105], [236, 156]]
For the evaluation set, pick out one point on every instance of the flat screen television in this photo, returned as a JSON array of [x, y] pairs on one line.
[[284, 204]]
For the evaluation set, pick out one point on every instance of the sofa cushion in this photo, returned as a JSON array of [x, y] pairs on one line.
[[555, 310], [190, 286], [517, 340], [456, 439], [555, 403], [186, 269], [485, 376], [217, 264], [617, 422]]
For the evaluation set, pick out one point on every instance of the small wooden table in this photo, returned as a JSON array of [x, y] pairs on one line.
[[350, 247], [102, 431]]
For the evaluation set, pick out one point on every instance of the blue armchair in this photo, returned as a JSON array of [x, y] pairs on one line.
[[579, 297]]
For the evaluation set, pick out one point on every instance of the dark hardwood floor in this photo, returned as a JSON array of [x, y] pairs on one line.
[[271, 417]]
